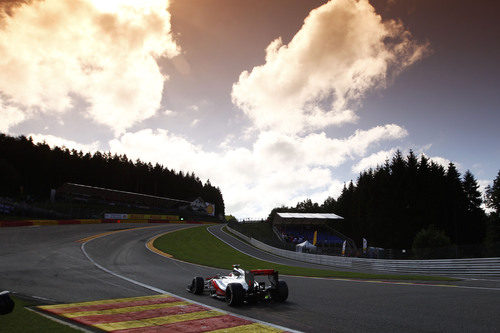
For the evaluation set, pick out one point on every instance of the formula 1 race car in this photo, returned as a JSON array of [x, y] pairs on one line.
[[241, 287]]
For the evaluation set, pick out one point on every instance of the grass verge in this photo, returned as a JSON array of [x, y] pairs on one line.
[[24, 320], [198, 246]]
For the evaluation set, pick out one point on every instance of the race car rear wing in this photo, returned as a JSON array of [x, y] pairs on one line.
[[271, 273]]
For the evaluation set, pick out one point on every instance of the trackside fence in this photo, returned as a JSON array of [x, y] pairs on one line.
[[458, 267]]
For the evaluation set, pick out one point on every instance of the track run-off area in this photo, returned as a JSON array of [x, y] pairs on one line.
[[67, 264]]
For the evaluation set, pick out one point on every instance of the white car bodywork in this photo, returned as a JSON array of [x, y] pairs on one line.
[[236, 276], [240, 286]]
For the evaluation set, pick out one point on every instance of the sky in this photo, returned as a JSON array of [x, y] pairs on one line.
[[274, 101]]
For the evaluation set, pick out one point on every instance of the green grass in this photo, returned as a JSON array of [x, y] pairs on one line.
[[262, 231], [198, 246], [23, 320]]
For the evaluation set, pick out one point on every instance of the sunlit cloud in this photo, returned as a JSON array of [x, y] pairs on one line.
[[275, 170], [98, 57], [373, 160], [444, 162], [10, 116], [169, 113], [195, 122], [343, 50]]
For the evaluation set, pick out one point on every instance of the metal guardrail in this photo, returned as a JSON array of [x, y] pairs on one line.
[[475, 266]]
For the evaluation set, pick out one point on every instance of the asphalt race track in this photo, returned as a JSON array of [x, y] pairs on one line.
[[48, 263]]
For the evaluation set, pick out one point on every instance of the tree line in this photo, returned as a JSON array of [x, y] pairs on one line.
[[32, 170], [391, 204]]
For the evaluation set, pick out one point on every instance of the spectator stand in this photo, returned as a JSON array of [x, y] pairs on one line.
[[295, 228], [5, 207], [91, 201]]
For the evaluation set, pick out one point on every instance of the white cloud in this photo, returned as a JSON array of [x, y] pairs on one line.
[[334, 189], [318, 149], [57, 53], [195, 122], [275, 170], [444, 162], [421, 150], [105, 52], [483, 183], [10, 116], [373, 160], [343, 50], [226, 143], [55, 141], [160, 146], [169, 113]]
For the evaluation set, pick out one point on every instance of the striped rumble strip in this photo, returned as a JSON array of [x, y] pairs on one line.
[[158, 313]]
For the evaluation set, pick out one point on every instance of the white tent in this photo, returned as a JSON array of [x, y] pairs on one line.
[[305, 247]]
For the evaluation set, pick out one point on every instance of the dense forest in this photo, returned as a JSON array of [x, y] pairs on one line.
[[29, 170], [408, 195]]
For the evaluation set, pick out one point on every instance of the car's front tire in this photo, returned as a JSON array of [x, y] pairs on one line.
[[234, 294], [197, 285]]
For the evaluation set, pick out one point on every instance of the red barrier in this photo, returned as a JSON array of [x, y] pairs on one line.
[[110, 221], [69, 222], [15, 223]]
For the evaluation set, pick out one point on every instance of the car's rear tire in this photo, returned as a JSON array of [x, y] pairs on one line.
[[280, 293], [197, 285], [234, 294]]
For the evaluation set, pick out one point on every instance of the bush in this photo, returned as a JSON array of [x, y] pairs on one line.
[[492, 238], [431, 243]]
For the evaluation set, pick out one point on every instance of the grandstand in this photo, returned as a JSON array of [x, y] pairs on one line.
[[298, 227], [91, 193], [124, 201]]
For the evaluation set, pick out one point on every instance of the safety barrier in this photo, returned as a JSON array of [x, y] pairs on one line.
[[457, 267], [27, 223]]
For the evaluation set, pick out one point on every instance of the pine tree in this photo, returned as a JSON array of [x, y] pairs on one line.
[[472, 194], [328, 205], [31, 170], [493, 195], [454, 203], [391, 204], [474, 225]]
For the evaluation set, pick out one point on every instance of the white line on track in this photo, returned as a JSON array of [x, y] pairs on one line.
[[43, 298], [161, 291], [158, 290]]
